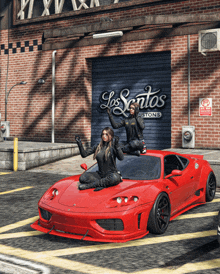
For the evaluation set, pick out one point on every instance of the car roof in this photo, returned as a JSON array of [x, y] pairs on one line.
[[160, 153]]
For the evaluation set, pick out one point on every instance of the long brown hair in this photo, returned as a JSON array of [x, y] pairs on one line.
[[135, 104], [110, 134]]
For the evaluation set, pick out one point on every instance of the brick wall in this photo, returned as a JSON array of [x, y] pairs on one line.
[[29, 106]]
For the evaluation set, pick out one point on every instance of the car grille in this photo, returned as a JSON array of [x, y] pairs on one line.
[[46, 215], [111, 224]]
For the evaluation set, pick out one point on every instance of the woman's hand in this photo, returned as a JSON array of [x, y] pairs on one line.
[[78, 139], [116, 141]]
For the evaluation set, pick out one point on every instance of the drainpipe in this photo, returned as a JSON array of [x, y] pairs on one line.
[[53, 94], [188, 49]]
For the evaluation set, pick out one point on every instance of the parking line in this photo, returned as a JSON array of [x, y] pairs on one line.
[[91, 269], [4, 173], [54, 261], [187, 268], [215, 201], [20, 234], [196, 215], [141, 242], [18, 224], [15, 190]]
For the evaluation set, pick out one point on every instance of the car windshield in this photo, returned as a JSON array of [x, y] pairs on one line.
[[144, 167]]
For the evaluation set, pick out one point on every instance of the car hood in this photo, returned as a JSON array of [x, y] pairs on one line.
[[72, 196]]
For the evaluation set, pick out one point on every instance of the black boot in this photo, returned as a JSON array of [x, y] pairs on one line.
[[99, 188], [84, 186], [126, 148], [87, 186], [137, 153]]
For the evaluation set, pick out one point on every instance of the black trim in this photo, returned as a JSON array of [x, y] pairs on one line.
[[18, 45]]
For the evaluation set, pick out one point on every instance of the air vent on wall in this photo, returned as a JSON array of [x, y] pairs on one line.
[[209, 40]]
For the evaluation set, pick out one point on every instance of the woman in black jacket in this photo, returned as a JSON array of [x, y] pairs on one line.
[[134, 126], [105, 153]]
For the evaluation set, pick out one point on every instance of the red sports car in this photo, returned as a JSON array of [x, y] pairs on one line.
[[157, 187]]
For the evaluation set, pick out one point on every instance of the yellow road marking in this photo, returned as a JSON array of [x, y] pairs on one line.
[[4, 173], [49, 257], [20, 234], [187, 268], [91, 269], [141, 242], [57, 262], [15, 190], [215, 201], [18, 224], [197, 215]]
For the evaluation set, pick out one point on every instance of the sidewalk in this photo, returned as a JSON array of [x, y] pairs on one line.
[[211, 155], [69, 166]]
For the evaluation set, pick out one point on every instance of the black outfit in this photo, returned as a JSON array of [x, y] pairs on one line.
[[107, 175], [134, 126]]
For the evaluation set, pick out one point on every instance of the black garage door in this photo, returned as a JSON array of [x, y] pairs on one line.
[[143, 78]]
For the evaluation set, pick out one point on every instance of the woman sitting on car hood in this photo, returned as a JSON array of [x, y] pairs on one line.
[[105, 153]]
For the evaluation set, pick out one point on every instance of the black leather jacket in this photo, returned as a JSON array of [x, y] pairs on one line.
[[134, 126], [105, 166]]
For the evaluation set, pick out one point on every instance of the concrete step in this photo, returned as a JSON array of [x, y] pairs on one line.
[[33, 154]]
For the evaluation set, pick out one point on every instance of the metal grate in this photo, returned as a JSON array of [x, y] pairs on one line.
[[46, 215], [111, 224], [209, 40]]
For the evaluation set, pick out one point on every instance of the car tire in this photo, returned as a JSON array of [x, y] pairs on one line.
[[210, 187], [218, 229], [160, 215]]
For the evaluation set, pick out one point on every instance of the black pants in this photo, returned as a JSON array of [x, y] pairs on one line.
[[95, 180], [132, 146]]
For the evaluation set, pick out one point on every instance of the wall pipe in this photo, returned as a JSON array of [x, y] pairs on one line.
[[6, 82], [188, 50], [53, 95]]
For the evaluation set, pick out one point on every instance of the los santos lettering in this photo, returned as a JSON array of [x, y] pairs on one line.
[[148, 99]]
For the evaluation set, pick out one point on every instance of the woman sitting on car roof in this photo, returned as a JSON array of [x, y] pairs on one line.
[[134, 126], [105, 153]]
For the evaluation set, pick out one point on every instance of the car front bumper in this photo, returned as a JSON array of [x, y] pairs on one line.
[[84, 226]]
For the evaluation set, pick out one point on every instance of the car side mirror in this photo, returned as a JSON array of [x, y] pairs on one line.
[[174, 173], [84, 166]]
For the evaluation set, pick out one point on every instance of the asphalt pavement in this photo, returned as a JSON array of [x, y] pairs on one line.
[[189, 244]]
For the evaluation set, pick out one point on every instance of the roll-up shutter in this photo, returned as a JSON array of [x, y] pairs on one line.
[[143, 78]]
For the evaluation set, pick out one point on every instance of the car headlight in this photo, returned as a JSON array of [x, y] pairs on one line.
[[50, 194], [55, 192], [123, 201]]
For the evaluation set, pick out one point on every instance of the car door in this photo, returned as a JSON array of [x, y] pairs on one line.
[[180, 187]]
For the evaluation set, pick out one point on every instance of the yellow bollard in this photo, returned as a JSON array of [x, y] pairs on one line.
[[15, 156]]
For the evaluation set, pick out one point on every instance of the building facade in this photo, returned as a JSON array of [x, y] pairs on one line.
[[151, 55]]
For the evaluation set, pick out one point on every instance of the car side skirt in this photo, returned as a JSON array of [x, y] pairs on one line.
[[185, 209]]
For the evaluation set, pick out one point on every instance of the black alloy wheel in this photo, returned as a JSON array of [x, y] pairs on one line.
[[160, 215], [210, 187], [218, 229]]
